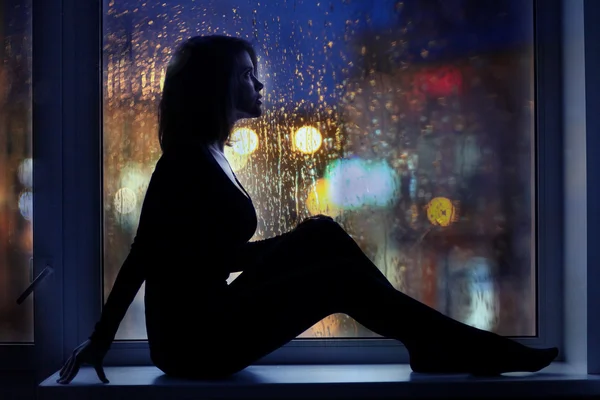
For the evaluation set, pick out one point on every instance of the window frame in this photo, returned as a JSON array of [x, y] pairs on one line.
[[591, 29], [82, 181], [38, 358]]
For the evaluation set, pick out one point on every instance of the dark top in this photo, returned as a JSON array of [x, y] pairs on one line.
[[193, 231]]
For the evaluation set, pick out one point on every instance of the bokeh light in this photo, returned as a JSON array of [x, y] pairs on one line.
[[245, 141], [356, 183], [125, 201], [441, 211], [319, 200], [26, 172], [307, 139], [26, 205]]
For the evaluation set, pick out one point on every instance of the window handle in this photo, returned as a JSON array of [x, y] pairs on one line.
[[36, 282]]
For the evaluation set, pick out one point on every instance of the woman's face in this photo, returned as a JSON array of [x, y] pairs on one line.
[[247, 98]]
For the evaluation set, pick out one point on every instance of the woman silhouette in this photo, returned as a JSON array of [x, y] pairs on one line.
[[186, 247]]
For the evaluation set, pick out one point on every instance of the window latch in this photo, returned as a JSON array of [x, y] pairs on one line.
[[36, 282]]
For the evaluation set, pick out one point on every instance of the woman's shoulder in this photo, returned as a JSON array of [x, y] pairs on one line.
[[184, 164], [183, 156]]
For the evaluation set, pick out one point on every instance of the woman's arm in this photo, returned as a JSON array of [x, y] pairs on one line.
[[128, 283]]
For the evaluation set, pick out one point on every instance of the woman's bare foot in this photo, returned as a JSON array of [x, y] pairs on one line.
[[482, 353]]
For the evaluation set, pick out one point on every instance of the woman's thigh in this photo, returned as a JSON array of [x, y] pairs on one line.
[[259, 319], [318, 270], [303, 244], [316, 242]]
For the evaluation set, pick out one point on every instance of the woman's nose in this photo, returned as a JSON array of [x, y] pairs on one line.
[[258, 85]]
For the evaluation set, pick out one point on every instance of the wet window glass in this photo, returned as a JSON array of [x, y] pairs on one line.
[[410, 122]]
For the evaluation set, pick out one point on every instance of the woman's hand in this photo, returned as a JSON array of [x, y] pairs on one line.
[[86, 353]]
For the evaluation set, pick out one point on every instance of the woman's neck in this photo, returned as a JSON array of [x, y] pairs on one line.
[[218, 146]]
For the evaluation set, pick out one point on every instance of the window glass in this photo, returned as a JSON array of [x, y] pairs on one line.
[[16, 175], [410, 122]]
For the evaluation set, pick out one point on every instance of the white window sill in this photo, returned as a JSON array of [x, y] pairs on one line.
[[321, 381]]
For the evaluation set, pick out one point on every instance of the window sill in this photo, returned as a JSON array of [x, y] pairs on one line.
[[321, 381]]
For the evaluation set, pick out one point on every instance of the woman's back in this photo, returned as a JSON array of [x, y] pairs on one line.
[[192, 218], [192, 221], [192, 211]]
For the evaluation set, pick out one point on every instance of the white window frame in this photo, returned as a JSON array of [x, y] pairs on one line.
[[75, 133]]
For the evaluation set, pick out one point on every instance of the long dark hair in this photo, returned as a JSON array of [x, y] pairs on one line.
[[198, 98]]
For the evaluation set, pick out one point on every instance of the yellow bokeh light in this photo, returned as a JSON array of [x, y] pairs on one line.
[[441, 211], [319, 201], [245, 141], [236, 161], [308, 139]]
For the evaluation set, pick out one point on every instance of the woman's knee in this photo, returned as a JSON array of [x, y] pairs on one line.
[[323, 227], [327, 238]]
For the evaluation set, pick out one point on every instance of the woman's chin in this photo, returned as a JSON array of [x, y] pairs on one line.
[[255, 113]]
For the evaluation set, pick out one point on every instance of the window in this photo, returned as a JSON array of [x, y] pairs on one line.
[[16, 171], [412, 123]]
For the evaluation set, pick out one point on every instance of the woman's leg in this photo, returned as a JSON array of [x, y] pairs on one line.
[[319, 270], [312, 241]]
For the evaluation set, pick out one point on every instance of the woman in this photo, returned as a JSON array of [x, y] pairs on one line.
[[186, 248]]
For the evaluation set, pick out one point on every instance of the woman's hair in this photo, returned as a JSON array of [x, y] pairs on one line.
[[198, 98]]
